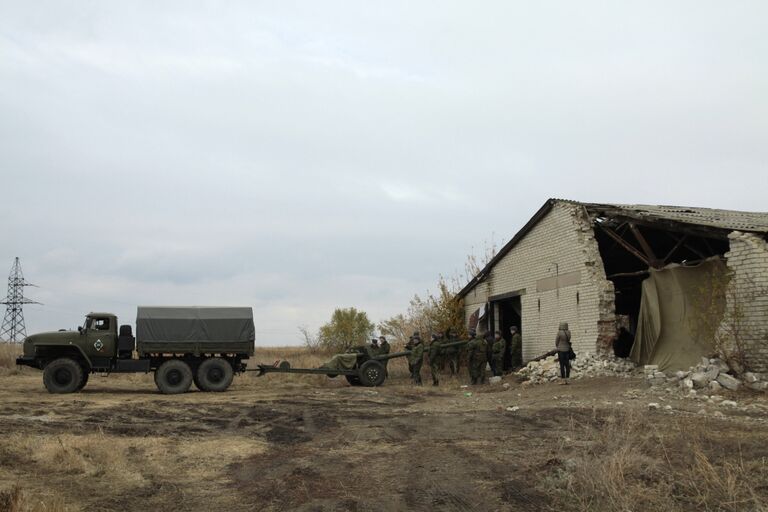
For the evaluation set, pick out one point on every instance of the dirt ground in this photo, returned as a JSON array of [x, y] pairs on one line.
[[322, 446]]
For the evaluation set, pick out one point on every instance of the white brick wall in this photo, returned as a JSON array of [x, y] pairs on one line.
[[561, 242], [747, 297]]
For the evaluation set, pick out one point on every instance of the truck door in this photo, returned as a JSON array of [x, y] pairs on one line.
[[101, 340]]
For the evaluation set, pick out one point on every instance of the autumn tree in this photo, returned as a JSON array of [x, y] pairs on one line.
[[348, 328]]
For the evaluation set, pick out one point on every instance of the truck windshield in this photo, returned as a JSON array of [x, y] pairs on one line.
[[87, 323]]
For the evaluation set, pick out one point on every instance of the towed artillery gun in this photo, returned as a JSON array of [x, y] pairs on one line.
[[359, 366]]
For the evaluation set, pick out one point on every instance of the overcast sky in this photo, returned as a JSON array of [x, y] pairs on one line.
[[296, 157]]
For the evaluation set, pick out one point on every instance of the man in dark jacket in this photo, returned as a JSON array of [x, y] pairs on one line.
[[384, 349], [563, 346]]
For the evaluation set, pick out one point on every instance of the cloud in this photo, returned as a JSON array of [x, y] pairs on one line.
[[298, 157]]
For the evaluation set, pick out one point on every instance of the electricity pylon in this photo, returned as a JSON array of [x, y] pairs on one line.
[[13, 329]]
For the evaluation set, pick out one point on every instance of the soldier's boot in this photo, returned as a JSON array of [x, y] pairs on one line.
[[435, 382]]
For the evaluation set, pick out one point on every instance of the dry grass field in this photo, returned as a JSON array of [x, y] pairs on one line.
[[310, 443]]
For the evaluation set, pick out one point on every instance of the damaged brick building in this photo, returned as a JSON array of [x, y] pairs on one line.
[[660, 284]]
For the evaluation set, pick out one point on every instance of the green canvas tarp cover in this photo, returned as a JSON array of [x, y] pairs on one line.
[[680, 310], [208, 324], [341, 362]]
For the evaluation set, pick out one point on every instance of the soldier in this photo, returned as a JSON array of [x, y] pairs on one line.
[[515, 348], [488, 337], [375, 349], [435, 358], [452, 355], [499, 345], [416, 358], [478, 357], [384, 350]]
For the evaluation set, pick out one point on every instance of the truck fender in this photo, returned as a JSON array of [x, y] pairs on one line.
[[69, 348]]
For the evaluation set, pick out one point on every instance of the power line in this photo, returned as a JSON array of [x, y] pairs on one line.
[[13, 329]]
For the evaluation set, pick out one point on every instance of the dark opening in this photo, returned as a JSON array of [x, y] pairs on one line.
[[510, 311], [627, 271]]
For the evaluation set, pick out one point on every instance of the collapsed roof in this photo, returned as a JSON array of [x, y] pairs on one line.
[[706, 222]]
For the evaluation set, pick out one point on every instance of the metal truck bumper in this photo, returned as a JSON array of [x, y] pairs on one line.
[[26, 361]]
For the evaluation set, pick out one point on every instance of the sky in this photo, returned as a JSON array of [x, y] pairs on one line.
[[301, 156]]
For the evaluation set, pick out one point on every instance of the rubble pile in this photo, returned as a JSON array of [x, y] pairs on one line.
[[586, 364], [710, 375]]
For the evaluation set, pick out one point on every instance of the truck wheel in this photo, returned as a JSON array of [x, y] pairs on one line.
[[62, 375], [197, 382], [173, 377], [84, 380], [353, 380], [372, 374], [215, 374]]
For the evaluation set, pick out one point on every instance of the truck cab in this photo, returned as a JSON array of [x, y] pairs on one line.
[[98, 339]]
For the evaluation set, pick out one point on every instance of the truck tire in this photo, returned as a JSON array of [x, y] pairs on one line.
[[84, 380], [372, 374], [197, 382], [353, 380], [215, 374], [173, 377], [62, 375]]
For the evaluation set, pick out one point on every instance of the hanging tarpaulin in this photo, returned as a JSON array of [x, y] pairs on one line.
[[478, 315], [680, 310]]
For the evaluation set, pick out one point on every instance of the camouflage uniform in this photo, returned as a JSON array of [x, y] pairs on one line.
[[415, 360], [516, 349], [499, 345], [435, 359], [452, 355], [478, 357]]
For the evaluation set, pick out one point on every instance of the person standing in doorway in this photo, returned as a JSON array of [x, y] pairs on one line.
[[499, 345], [515, 348], [564, 349]]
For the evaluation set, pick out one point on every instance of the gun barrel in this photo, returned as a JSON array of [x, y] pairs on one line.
[[386, 357]]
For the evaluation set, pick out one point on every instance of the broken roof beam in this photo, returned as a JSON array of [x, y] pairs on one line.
[[620, 215], [645, 246], [626, 245], [680, 242]]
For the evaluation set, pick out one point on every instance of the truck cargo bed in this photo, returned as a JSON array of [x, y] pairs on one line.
[[194, 330]]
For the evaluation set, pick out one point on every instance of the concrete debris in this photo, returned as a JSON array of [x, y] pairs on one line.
[[729, 382], [653, 405], [514, 408], [728, 403], [710, 376], [586, 364], [494, 380]]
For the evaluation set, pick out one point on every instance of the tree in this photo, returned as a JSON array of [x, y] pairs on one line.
[[311, 341], [348, 328], [435, 313], [438, 312]]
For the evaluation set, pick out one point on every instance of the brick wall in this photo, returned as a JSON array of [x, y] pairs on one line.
[[561, 244], [747, 298]]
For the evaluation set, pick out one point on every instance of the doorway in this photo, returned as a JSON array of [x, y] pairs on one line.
[[509, 311]]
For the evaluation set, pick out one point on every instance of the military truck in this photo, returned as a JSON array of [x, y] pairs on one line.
[[181, 345]]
